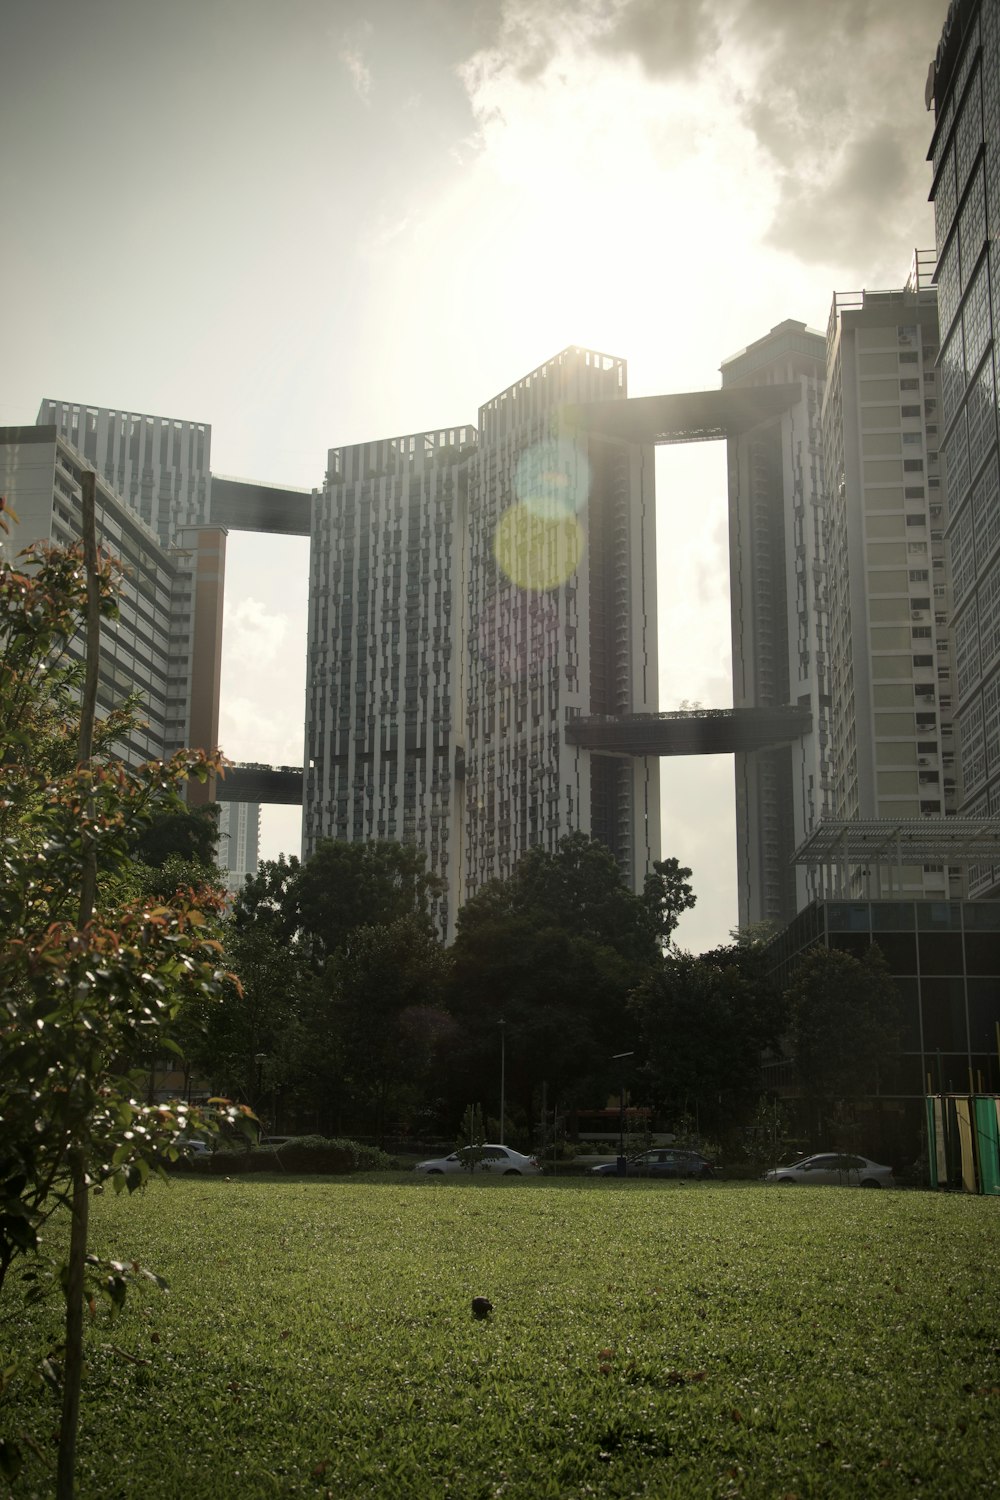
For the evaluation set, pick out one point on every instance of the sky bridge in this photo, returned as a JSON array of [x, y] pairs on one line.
[[700, 731]]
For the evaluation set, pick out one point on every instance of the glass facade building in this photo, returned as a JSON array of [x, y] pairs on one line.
[[964, 85], [944, 958]]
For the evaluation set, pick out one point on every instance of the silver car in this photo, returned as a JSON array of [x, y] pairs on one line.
[[500, 1160], [833, 1169]]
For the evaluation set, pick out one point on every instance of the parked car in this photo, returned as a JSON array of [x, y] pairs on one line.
[[500, 1160], [194, 1147], [833, 1169], [661, 1161]]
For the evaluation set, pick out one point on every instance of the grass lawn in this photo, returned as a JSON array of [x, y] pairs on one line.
[[657, 1339]]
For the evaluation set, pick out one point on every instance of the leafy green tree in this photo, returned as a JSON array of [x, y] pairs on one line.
[[845, 1026], [553, 952], [578, 889], [255, 1045], [86, 983], [189, 834], [389, 987], [666, 894], [346, 886], [704, 1023]]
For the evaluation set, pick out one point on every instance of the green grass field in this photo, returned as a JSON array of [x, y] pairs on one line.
[[654, 1339]]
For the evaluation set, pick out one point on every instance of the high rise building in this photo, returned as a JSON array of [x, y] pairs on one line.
[[239, 842], [560, 623], [166, 643], [891, 672], [472, 591], [841, 595], [385, 713], [158, 465], [780, 617], [964, 86], [158, 470]]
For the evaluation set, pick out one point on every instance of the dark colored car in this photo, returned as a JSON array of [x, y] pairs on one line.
[[661, 1161]]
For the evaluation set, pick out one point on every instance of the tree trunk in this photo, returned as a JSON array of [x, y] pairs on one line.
[[73, 1359]]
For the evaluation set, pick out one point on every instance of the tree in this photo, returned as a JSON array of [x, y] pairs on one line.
[[846, 1026], [388, 988], [553, 952], [578, 889], [254, 1044], [87, 983], [345, 886], [666, 893], [704, 1023], [187, 833]]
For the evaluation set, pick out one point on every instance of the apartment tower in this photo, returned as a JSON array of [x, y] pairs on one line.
[[472, 590], [780, 618]]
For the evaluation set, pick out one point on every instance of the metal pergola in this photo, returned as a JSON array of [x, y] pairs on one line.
[[835, 847]]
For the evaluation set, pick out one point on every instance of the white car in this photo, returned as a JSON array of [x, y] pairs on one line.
[[500, 1160], [833, 1169]]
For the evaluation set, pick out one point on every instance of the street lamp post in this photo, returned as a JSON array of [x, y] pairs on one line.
[[621, 1166], [503, 1080]]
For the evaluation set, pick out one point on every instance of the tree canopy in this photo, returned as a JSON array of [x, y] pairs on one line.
[[345, 886]]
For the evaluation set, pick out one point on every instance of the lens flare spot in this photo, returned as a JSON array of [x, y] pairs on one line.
[[553, 479], [536, 552]]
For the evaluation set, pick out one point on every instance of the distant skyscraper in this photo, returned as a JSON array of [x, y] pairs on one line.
[[964, 85], [239, 842], [471, 592]]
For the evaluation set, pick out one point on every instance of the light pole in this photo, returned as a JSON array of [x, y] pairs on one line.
[[618, 1057], [503, 1080]]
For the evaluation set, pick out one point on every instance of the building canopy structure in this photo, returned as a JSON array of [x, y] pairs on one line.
[[836, 848]]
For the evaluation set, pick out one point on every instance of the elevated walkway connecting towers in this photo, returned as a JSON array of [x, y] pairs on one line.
[[708, 731]]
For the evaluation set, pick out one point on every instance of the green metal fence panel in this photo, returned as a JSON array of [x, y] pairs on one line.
[[987, 1118]]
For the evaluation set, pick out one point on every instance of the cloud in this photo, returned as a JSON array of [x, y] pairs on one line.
[[668, 37], [353, 59], [871, 183], [830, 96], [254, 636]]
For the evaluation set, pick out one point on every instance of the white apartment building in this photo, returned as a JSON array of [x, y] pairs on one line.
[[239, 842], [891, 669], [158, 465], [165, 645], [472, 590], [385, 710], [841, 596], [560, 623]]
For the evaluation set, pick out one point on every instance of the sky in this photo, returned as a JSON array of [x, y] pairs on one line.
[[316, 222]]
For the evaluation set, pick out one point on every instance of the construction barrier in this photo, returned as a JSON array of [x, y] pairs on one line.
[[963, 1142]]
